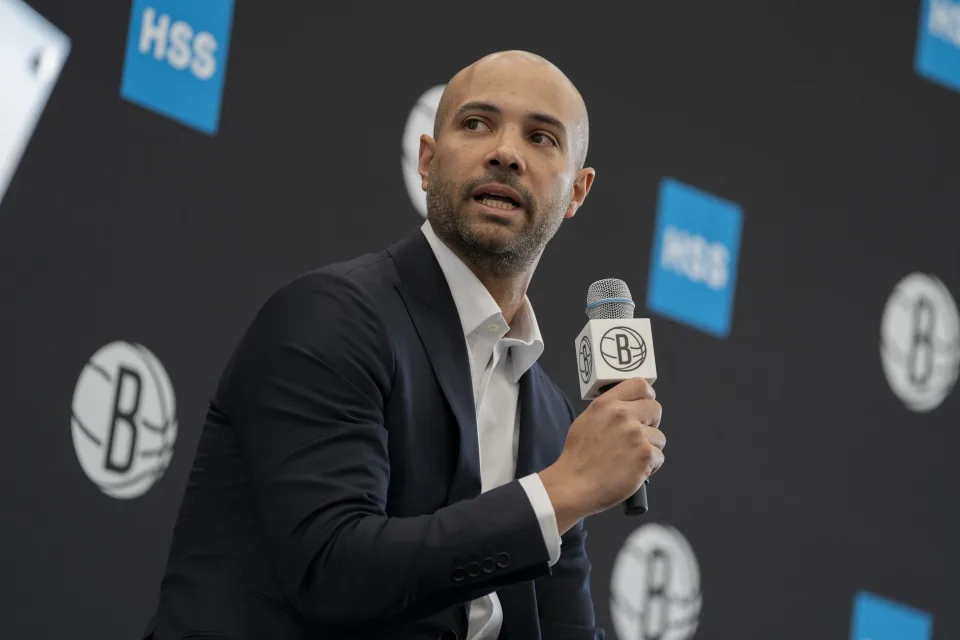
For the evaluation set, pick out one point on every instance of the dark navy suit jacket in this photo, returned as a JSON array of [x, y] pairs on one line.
[[335, 492]]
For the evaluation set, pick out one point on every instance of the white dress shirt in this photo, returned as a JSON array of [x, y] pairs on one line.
[[499, 355]]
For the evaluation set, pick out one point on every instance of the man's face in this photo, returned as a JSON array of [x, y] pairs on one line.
[[503, 173]]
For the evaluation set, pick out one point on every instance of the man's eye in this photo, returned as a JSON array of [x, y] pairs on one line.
[[473, 124], [540, 138]]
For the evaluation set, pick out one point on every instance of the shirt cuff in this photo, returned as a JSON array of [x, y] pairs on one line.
[[540, 501]]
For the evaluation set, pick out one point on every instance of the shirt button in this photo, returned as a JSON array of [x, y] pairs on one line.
[[494, 328]]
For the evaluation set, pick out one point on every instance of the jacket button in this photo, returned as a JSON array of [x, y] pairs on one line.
[[503, 560], [449, 635], [488, 565], [458, 575], [473, 569]]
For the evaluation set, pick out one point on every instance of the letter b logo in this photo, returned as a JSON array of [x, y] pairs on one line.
[[123, 426], [623, 349]]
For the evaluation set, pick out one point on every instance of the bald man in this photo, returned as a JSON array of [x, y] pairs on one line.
[[383, 457]]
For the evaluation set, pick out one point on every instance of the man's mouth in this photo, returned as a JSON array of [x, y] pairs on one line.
[[496, 201]]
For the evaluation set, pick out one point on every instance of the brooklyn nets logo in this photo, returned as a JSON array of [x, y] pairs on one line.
[[920, 341], [419, 122], [655, 587], [585, 360], [623, 349], [124, 419]]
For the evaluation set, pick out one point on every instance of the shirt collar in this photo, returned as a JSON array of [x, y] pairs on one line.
[[476, 306], [526, 351]]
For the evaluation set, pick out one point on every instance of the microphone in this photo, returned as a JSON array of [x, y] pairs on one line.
[[614, 346]]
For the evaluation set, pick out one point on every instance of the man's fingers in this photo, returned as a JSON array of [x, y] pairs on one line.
[[657, 463], [649, 412], [654, 436], [632, 389]]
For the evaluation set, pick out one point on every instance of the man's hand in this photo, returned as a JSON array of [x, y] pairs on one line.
[[610, 450]]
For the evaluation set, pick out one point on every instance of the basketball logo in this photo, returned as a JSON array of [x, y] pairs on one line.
[[124, 420], [419, 122], [623, 349], [655, 586], [585, 360], [920, 341]]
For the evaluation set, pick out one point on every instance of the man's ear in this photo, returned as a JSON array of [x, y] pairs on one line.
[[428, 148], [581, 187]]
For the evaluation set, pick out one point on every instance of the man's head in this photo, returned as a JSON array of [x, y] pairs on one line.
[[505, 165]]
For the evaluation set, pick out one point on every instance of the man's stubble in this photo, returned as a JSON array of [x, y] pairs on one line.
[[499, 254]]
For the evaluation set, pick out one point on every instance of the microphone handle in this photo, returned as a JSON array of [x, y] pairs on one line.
[[635, 505]]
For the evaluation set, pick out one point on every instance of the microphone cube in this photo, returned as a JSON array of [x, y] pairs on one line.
[[610, 351]]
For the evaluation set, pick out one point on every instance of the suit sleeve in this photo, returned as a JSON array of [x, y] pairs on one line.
[[563, 598], [305, 391]]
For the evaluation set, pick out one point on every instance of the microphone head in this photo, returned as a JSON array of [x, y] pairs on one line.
[[609, 299]]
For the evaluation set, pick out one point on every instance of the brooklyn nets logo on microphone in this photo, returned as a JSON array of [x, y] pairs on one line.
[[655, 587], [623, 349], [585, 360], [920, 341], [124, 419]]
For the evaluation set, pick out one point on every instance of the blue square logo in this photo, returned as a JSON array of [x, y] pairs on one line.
[[693, 267], [938, 43], [177, 59], [876, 618]]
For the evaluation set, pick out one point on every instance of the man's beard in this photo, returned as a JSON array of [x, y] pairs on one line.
[[495, 254]]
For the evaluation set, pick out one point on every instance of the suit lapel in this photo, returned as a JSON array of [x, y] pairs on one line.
[[426, 294], [533, 451]]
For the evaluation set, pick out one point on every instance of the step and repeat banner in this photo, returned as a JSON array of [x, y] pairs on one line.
[[776, 182]]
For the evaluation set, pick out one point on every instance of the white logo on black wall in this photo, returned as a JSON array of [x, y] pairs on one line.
[[920, 341], [419, 122], [124, 420], [655, 586]]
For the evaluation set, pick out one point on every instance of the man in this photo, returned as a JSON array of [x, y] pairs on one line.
[[383, 457]]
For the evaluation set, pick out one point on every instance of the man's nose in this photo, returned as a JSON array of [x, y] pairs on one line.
[[507, 154]]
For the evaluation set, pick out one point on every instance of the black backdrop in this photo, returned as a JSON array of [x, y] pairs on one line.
[[795, 472]]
